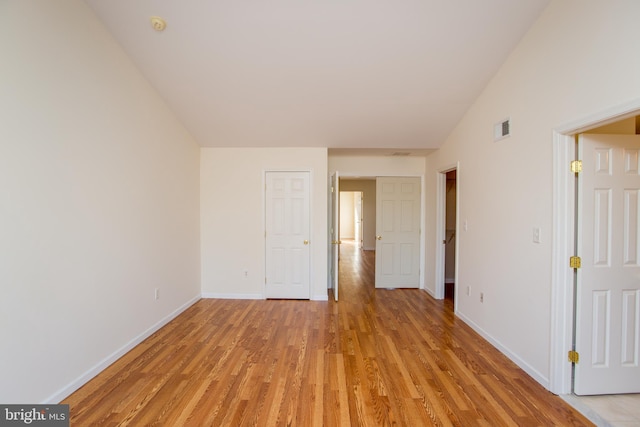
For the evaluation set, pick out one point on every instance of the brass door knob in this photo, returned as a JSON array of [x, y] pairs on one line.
[[378, 237], [306, 242]]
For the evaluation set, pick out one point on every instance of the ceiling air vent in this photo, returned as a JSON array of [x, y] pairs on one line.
[[502, 130], [401, 154]]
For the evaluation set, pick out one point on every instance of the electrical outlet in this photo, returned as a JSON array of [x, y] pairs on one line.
[[156, 293], [481, 296]]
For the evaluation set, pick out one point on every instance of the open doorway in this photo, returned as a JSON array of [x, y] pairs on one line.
[[618, 120], [606, 132], [450, 237], [363, 192], [396, 199], [446, 265], [356, 231]]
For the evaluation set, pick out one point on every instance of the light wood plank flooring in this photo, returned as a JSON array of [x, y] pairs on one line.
[[375, 358]]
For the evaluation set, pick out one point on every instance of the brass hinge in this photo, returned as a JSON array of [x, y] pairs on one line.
[[575, 262], [574, 356], [576, 166]]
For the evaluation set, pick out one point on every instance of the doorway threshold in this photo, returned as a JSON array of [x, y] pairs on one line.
[[616, 410]]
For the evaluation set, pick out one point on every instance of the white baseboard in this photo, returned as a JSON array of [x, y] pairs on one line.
[[433, 295], [213, 295], [544, 381], [104, 363]]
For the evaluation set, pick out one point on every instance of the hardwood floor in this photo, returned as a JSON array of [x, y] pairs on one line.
[[375, 358]]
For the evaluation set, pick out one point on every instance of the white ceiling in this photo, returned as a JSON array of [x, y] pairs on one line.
[[343, 74]]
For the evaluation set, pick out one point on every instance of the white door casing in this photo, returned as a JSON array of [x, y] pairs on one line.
[[608, 296], [287, 235], [398, 213]]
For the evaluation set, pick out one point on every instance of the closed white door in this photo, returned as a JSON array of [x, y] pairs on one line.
[[397, 232], [608, 296], [287, 237]]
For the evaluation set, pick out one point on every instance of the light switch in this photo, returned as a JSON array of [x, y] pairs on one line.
[[536, 234]]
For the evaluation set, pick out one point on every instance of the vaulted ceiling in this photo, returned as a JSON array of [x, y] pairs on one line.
[[344, 74]]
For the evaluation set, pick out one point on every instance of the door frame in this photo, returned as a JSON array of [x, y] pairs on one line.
[[347, 175], [441, 230], [560, 378]]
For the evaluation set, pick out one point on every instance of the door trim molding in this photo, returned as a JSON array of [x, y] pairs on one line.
[[563, 235]]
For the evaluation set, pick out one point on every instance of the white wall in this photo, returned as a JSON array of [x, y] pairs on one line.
[[99, 202], [577, 60], [372, 166], [347, 218], [232, 217]]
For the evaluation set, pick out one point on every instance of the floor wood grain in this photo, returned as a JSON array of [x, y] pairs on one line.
[[376, 358]]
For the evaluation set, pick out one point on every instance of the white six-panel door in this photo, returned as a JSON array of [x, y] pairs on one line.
[[397, 232], [608, 305], [287, 226]]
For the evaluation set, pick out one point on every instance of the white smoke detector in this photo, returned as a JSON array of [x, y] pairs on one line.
[[158, 23]]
